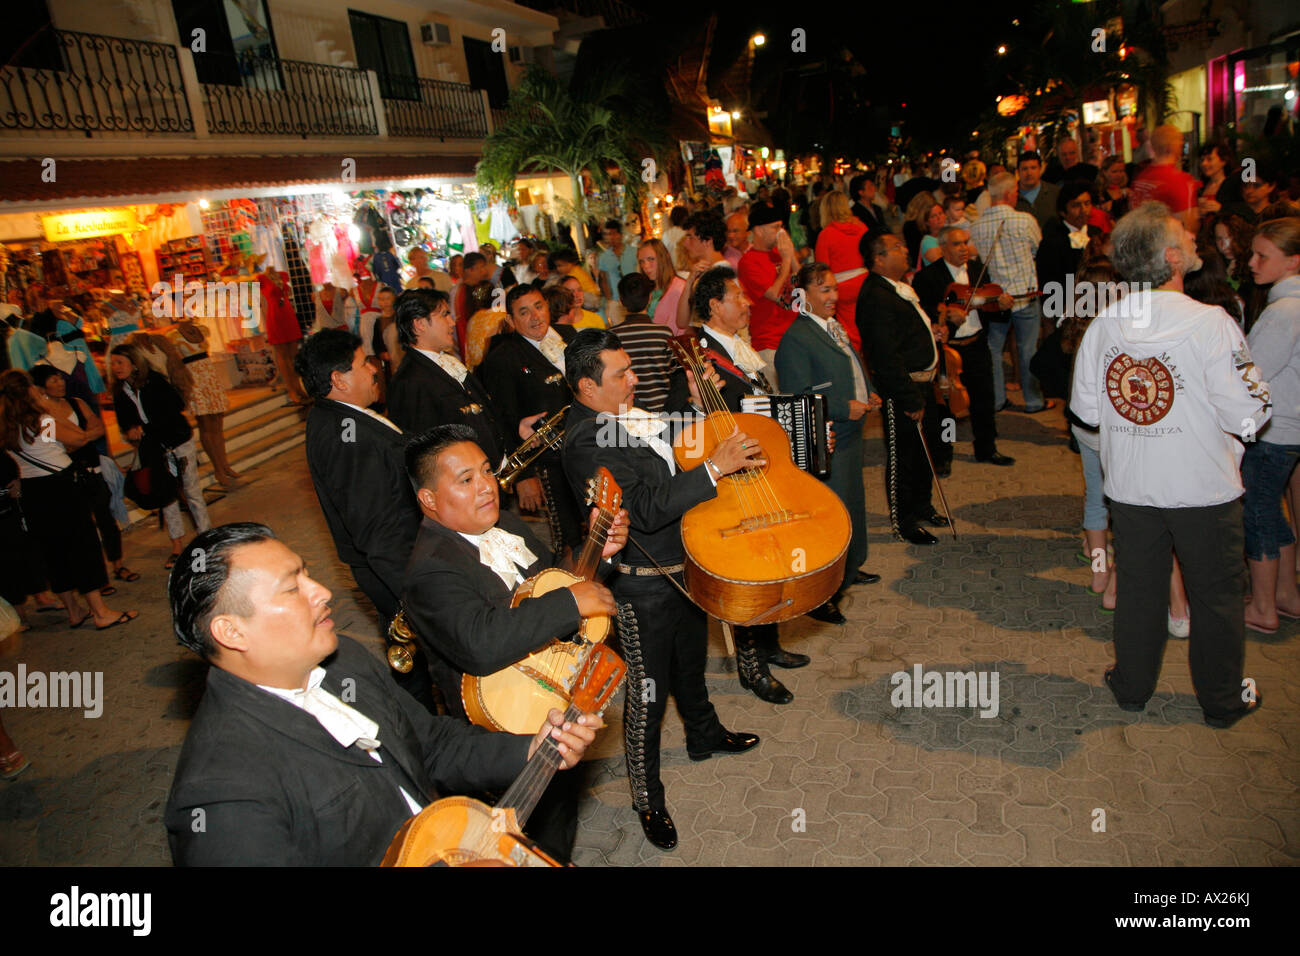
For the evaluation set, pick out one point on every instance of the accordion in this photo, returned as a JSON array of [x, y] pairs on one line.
[[804, 419]]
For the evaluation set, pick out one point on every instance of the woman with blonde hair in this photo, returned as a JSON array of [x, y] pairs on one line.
[[656, 264], [838, 245], [916, 225]]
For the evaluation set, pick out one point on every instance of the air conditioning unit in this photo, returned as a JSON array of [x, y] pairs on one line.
[[522, 54], [435, 34]]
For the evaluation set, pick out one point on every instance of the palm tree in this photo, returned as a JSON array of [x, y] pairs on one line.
[[548, 126]]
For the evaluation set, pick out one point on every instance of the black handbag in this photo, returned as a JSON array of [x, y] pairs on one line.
[[152, 480]]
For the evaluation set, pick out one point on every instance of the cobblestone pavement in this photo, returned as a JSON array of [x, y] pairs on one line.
[[841, 776]]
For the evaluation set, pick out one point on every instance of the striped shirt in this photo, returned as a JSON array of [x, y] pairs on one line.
[[1011, 264], [646, 344]]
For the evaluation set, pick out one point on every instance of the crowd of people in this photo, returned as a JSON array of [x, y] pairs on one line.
[[923, 297]]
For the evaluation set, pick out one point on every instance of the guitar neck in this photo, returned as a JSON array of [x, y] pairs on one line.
[[523, 794], [589, 557]]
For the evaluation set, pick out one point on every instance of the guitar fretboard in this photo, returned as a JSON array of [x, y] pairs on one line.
[[523, 794]]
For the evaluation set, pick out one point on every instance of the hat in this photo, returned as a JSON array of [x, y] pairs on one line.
[[760, 214]]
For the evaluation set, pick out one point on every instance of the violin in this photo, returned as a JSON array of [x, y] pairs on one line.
[[948, 387], [984, 297]]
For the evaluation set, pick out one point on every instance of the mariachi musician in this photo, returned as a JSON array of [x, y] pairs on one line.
[[900, 341], [468, 558], [665, 637], [432, 386], [966, 332], [524, 374], [815, 354], [721, 304]]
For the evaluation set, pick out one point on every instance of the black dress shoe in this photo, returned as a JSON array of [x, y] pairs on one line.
[[866, 577], [659, 829], [751, 668], [936, 519], [997, 458], [1130, 707], [917, 535], [1226, 721], [827, 613], [788, 659], [732, 743]]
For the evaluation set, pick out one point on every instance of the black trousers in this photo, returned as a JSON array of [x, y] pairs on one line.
[[977, 376], [666, 653], [845, 480], [907, 473], [58, 517], [1208, 542]]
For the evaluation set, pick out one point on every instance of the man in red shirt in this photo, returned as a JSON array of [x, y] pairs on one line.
[[764, 273], [1164, 182]]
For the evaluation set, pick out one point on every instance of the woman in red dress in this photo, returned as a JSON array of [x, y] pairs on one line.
[[282, 330], [837, 246]]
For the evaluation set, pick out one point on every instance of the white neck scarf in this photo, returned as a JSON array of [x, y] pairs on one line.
[[448, 362], [1078, 237], [741, 352], [552, 347], [503, 552], [648, 426], [345, 724]]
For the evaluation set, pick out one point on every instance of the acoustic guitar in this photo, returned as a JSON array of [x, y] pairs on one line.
[[772, 545], [517, 698], [455, 831]]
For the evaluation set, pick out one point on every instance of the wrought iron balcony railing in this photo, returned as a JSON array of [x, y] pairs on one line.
[[108, 86], [82, 82], [252, 94], [439, 110]]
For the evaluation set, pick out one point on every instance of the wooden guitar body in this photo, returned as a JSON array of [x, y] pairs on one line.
[[773, 547], [517, 699], [456, 831]]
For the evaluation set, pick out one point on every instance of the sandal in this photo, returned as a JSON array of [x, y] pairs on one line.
[[11, 765], [107, 591], [126, 617], [126, 574], [86, 617], [171, 562]]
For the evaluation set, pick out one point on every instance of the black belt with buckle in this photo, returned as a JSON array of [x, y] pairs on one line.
[[645, 572]]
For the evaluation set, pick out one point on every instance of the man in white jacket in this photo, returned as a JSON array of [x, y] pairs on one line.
[[1171, 384]]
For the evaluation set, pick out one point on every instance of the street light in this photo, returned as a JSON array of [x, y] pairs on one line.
[[758, 39], [1002, 50], [735, 114]]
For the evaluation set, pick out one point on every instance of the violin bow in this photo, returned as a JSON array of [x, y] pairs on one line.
[[984, 270], [943, 499]]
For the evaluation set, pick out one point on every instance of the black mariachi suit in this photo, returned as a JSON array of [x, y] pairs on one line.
[[358, 469], [668, 650], [460, 611], [522, 383], [422, 395], [976, 361], [277, 790], [897, 341]]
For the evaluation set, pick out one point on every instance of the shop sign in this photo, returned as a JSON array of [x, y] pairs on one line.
[[86, 225]]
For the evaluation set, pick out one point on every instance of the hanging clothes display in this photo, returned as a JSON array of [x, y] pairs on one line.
[[501, 229], [321, 249], [278, 318], [299, 276], [71, 336]]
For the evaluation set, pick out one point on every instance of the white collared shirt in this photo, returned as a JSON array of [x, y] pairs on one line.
[[860, 392], [907, 292], [972, 323], [373, 414], [347, 725]]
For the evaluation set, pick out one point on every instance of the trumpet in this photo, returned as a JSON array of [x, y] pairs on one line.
[[546, 437]]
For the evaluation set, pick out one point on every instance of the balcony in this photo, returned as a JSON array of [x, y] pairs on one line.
[[85, 86]]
